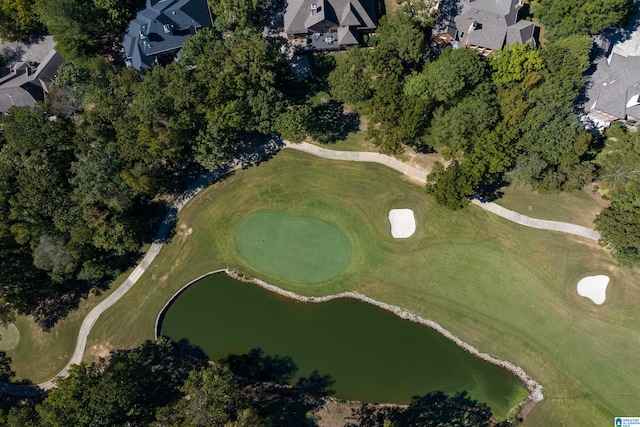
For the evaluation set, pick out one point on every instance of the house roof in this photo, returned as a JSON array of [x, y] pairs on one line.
[[163, 26], [521, 32], [504, 10], [347, 35], [301, 17], [23, 86], [615, 86], [490, 23]]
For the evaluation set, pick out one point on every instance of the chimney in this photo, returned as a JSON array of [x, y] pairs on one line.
[[314, 9]]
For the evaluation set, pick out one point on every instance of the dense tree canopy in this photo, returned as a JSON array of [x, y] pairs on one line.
[[84, 28], [450, 77], [619, 174], [564, 18], [17, 19]]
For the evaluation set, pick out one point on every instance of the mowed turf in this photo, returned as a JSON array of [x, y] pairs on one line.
[[506, 289], [9, 336], [296, 247]]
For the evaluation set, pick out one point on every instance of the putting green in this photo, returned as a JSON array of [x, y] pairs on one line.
[[9, 336], [295, 247]]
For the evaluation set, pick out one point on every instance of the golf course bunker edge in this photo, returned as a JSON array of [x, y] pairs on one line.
[[297, 247]]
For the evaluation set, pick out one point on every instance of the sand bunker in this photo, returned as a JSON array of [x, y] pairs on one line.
[[403, 224], [594, 288]]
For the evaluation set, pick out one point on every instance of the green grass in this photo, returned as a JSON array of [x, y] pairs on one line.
[[299, 248], [40, 355], [575, 206], [506, 289], [9, 336]]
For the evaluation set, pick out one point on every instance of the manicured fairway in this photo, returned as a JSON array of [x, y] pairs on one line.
[[296, 247]]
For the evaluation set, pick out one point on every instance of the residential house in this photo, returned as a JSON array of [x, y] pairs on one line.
[[158, 31], [328, 24], [614, 90], [23, 85], [484, 25]]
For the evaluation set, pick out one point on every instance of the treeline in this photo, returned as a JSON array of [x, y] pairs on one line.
[[163, 384], [563, 18], [508, 117], [83, 29], [79, 194], [619, 164]]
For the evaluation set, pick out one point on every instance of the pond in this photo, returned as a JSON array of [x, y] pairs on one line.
[[371, 354]]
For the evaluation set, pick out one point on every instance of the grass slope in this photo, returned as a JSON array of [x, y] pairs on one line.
[[574, 206], [299, 248], [506, 289]]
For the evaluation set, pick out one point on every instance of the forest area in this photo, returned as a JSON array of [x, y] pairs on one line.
[[80, 195]]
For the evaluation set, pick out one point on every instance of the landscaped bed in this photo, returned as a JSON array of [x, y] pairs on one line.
[[506, 289]]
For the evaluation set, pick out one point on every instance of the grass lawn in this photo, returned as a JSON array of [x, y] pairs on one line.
[[9, 336], [40, 355], [575, 206], [506, 289], [299, 248]]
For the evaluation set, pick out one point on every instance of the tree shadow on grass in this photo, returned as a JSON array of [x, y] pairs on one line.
[[331, 124]]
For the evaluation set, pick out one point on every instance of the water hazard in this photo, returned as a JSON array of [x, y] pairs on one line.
[[371, 354]]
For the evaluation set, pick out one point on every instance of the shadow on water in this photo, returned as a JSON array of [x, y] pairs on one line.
[[190, 350], [267, 381]]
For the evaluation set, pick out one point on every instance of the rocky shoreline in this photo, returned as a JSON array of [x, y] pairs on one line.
[[534, 388]]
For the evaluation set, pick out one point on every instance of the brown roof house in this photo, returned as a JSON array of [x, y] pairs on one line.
[[23, 85], [328, 24], [484, 25]]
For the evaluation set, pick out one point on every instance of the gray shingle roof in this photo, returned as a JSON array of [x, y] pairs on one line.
[[356, 14], [521, 32], [491, 23], [163, 26], [25, 86], [347, 36], [614, 85]]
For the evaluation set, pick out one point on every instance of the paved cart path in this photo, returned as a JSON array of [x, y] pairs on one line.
[[419, 175], [207, 179]]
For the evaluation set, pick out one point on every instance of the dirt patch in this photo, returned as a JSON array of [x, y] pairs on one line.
[[593, 190], [101, 350], [423, 162], [334, 413], [183, 232]]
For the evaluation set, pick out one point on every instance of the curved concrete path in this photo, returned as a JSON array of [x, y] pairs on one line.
[[204, 181], [92, 317], [421, 176]]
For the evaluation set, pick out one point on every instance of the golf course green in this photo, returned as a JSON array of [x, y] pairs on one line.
[[297, 247], [371, 354]]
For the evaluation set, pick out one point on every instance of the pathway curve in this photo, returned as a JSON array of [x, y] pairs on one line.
[[92, 317], [421, 176], [205, 180]]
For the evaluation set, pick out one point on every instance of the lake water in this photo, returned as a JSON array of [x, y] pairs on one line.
[[371, 354]]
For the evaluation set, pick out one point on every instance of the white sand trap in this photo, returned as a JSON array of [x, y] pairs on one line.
[[594, 288], [403, 224]]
